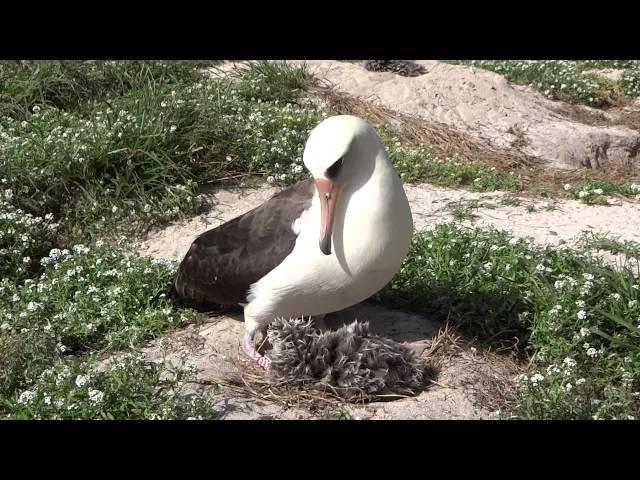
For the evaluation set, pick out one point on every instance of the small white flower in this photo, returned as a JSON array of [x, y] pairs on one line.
[[615, 296], [172, 128], [270, 179], [569, 362], [598, 191], [556, 309], [559, 284], [26, 397], [33, 306], [80, 249], [26, 260], [580, 381], [592, 352], [114, 209], [567, 186], [582, 315], [584, 332], [82, 380], [582, 194], [537, 378], [96, 396], [632, 303]]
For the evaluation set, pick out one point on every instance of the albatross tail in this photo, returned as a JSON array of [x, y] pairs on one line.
[[170, 292]]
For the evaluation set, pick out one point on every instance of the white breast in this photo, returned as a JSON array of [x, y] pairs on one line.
[[371, 237]]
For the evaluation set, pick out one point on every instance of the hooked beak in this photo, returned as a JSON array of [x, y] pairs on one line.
[[328, 192]]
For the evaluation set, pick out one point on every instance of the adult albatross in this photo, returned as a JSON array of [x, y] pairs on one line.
[[320, 246]]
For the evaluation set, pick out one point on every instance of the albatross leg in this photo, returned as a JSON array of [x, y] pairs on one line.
[[248, 346]]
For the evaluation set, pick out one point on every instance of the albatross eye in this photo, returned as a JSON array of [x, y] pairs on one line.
[[333, 170]]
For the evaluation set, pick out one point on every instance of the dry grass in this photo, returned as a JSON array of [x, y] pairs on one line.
[[444, 346], [490, 373], [249, 381], [550, 182], [492, 380], [623, 115]]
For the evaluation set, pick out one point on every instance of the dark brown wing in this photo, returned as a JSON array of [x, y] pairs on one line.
[[222, 263]]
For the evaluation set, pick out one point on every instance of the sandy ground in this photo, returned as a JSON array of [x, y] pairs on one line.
[[482, 105]]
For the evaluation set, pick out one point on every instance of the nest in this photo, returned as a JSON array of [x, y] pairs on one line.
[[349, 363]]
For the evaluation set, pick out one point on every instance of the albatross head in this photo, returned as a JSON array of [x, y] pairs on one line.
[[340, 154]]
